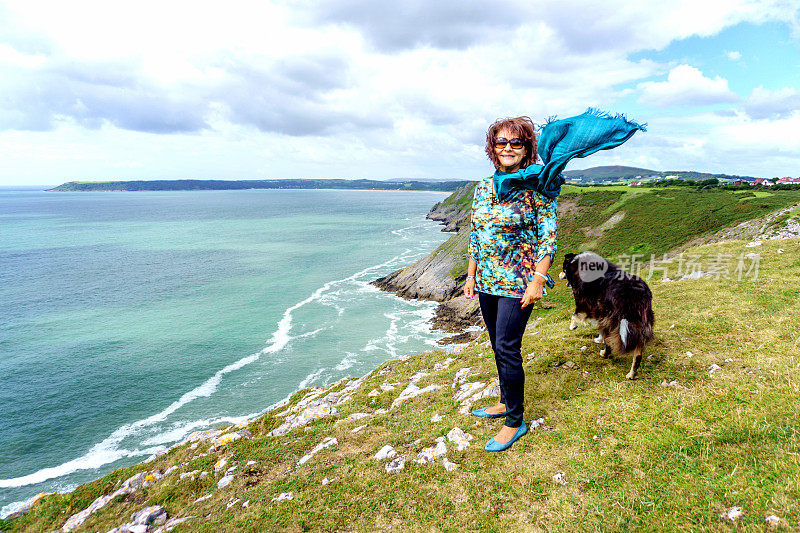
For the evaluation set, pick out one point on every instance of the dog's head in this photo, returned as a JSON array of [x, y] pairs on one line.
[[585, 267], [569, 269]]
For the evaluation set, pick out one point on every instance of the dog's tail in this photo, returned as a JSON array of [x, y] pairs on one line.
[[631, 322]]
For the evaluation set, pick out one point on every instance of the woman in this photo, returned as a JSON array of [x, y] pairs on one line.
[[512, 245]]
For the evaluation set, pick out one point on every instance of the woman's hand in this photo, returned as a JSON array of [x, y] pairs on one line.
[[533, 292], [469, 288]]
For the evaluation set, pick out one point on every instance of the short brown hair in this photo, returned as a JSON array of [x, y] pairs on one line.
[[520, 127]]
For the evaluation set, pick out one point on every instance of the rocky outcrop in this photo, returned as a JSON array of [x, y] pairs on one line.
[[440, 275], [454, 210], [432, 277]]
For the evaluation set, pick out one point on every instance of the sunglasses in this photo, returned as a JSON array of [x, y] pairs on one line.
[[501, 142]]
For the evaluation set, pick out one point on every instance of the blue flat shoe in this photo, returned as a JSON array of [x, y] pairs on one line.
[[483, 414], [494, 446]]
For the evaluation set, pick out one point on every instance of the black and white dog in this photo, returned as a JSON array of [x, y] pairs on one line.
[[618, 302]]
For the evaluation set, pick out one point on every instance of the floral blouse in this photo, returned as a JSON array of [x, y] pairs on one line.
[[509, 238]]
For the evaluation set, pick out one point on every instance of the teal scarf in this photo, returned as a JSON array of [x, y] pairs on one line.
[[561, 140]]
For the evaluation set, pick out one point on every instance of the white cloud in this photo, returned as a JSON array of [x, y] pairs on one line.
[[733, 55], [686, 85], [340, 89], [763, 103]]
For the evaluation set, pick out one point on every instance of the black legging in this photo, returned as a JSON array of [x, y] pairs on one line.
[[506, 322]]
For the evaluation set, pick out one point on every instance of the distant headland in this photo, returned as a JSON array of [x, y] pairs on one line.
[[223, 185]]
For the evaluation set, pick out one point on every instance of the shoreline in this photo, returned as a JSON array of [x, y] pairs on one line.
[[439, 334]]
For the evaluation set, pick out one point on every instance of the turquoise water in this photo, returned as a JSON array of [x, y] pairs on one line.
[[129, 320]]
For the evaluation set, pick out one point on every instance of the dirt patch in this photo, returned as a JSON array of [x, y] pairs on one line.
[[567, 206], [608, 224]]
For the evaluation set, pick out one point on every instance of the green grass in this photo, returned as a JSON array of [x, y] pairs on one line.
[[635, 455]]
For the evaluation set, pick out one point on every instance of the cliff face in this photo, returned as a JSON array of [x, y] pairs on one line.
[[454, 210], [439, 276]]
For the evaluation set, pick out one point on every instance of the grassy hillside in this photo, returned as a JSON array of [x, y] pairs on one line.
[[617, 220], [669, 451], [615, 172]]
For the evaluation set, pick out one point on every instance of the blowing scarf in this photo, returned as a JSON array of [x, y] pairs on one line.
[[559, 142]]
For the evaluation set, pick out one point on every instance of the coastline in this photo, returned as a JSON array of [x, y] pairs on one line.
[[11, 506]]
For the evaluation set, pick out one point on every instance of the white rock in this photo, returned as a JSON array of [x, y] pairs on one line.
[[448, 465], [246, 504], [752, 244], [461, 376], [130, 485], [536, 423], [388, 386], [231, 470], [191, 474], [373, 393], [202, 498], [729, 360], [437, 418], [396, 465], [232, 503], [689, 354], [250, 463], [468, 389], [326, 442], [412, 391], [204, 474], [283, 496], [732, 514], [381, 411], [458, 437], [583, 348], [560, 478], [224, 482], [387, 452], [418, 376], [441, 439], [220, 465], [318, 409], [170, 470], [359, 428], [358, 416], [780, 251], [154, 514], [443, 364], [713, 368], [672, 326], [431, 454], [772, 520], [171, 523]]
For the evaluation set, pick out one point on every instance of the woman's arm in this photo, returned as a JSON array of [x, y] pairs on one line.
[[469, 285], [545, 236]]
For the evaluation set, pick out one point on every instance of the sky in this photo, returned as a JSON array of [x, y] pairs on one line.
[[106, 90]]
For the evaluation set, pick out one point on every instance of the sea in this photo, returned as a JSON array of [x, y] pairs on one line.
[[129, 320]]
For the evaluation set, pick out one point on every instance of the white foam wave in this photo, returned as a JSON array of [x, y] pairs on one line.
[[310, 378], [348, 361]]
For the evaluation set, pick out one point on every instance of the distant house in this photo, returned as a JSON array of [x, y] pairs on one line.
[[635, 182], [763, 181], [788, 180], [735, 182]]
